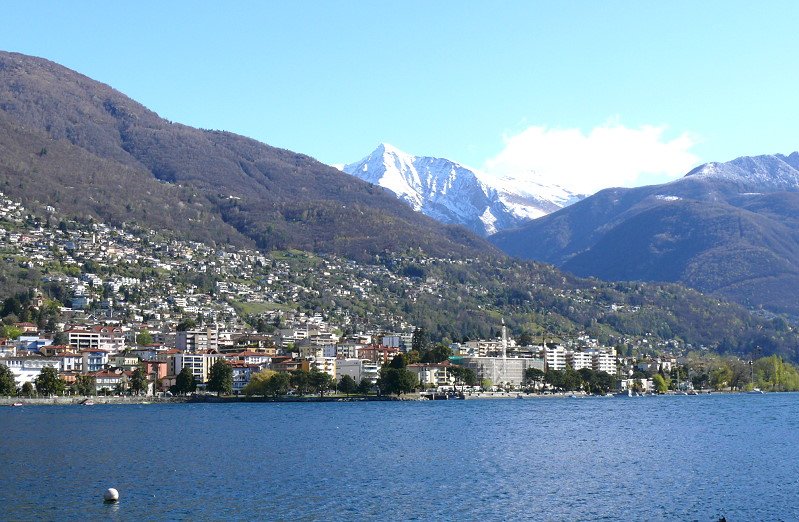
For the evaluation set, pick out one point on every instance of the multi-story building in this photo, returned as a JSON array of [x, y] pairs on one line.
[[579, 360], [433, 374], [508, 370], [198, 363], [195, 341], [110, 338], [324, 364], [555, 357], [94, 360], [358, 369], [603, 361], [27, 368]]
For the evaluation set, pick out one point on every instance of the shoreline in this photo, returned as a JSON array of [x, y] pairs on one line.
[[213, 399]]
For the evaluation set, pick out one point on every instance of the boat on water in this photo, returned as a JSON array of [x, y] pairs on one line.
[[87, 402], [17, 404], [755, 391]]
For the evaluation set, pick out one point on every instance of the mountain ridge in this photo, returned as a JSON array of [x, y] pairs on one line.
[[271, 197], [724, 228]]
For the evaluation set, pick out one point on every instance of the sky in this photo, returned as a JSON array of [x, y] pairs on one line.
[[586, 94]]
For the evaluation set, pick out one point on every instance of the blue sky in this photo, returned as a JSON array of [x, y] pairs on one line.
[[591, 93]]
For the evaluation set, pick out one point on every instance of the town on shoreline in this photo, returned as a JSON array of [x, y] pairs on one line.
[[152, 326]]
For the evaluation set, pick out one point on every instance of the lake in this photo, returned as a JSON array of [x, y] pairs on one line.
[[647, 458]]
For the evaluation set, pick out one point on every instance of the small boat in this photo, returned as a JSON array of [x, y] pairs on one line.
[[87, 402], [17, 404], [755, 391]]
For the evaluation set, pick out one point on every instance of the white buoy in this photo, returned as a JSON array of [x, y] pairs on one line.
[[111, 495]]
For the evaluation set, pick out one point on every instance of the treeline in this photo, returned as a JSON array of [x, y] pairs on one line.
[[770, 373], [585, 379]]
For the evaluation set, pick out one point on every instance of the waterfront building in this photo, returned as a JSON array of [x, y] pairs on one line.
[[358, 369], [27, 368], [430, 374], [603, 361], [508, 370], [579, 360], [555, 357], [323, 364], [109, 381], [198, 363]]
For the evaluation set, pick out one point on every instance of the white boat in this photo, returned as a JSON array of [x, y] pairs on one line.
[[756, 391]]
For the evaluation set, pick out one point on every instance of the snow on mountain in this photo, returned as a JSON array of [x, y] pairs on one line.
[[762, 173], [452, 193]]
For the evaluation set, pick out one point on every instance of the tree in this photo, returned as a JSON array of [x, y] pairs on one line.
[[27, 389], [49, 383], [661, 385], [397, 380], [525, 339], [138, 381], [300, 381], [463, 376], [7, 384], [398, 362], [8, 331], [257, 384], [535, 376], [277, 385], [144, 337], [186, 325], [555, 379], [220, 378], [85, 385], [347, 384], [437, 354], [185, 382], [419, 340], [365, 386], [721, 377], [320, 382], [60, 339]]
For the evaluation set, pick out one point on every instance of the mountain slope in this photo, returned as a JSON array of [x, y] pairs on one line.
[[726, 228], [452, 193], [271, 197]]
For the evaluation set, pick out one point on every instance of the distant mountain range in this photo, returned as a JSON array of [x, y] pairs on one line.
[[454, 194], [86, 149], [731, 229]]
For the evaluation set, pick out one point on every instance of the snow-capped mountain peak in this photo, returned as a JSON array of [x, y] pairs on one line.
[[452, 193]]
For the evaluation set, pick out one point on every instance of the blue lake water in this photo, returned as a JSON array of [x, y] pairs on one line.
[[650, 458]]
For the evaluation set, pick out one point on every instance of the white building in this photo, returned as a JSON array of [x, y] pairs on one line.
[[358, 369], [110, 338], [500, 370], [555, 357], [27, 368], [603, 361], [198, 363], [579, 360], [433, 374], [324, 364]]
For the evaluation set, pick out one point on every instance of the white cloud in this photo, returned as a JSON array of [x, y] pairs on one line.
[[610, 155]]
